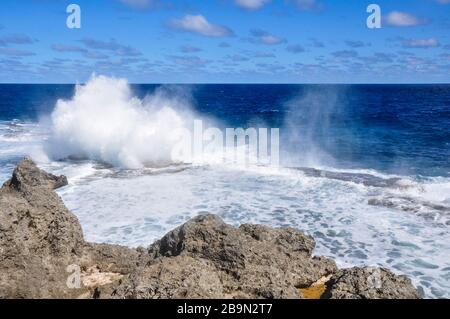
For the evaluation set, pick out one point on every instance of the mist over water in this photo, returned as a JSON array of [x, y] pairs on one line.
[[307, 126]]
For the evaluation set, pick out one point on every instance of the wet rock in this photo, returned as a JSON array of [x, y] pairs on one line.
[[42, 249]]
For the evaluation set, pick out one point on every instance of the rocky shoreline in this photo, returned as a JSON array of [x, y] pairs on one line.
[[43, 255]]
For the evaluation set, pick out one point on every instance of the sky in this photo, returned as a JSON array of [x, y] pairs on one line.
[[225, 41]]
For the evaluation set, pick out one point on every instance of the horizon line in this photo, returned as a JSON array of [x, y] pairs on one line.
[[234, 83]]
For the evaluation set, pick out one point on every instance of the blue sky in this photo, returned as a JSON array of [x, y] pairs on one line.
[[225, 41]]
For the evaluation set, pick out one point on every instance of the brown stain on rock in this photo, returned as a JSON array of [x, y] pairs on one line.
[[313, 292], [316, 290]]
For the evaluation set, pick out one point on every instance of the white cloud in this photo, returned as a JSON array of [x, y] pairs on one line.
[[421, 43], [270, 39], [264, 37], [443, 1], [403, 19], [198, 24], [251, 4]]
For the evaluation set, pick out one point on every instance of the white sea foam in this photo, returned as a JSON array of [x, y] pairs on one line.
[[104, 122]]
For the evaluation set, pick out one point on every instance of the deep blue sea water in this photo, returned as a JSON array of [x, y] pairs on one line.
[[365, 168], [400, 129]]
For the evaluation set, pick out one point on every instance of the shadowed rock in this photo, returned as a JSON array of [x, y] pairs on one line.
[[203, 258]]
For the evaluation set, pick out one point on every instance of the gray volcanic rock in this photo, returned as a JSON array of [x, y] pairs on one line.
[[28, 176], [41, 243], [369, 283], [207, 258], [39, 237]]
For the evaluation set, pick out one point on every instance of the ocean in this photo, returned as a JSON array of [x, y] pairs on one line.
[[364, 169]]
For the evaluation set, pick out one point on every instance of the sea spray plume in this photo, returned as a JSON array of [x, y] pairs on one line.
[[103, 121], [307, 126]]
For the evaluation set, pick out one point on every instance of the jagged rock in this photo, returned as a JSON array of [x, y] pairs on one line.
[[207, 258], [256, 260], [204, 258], [40, 238], [28, 175], [369, 283]]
